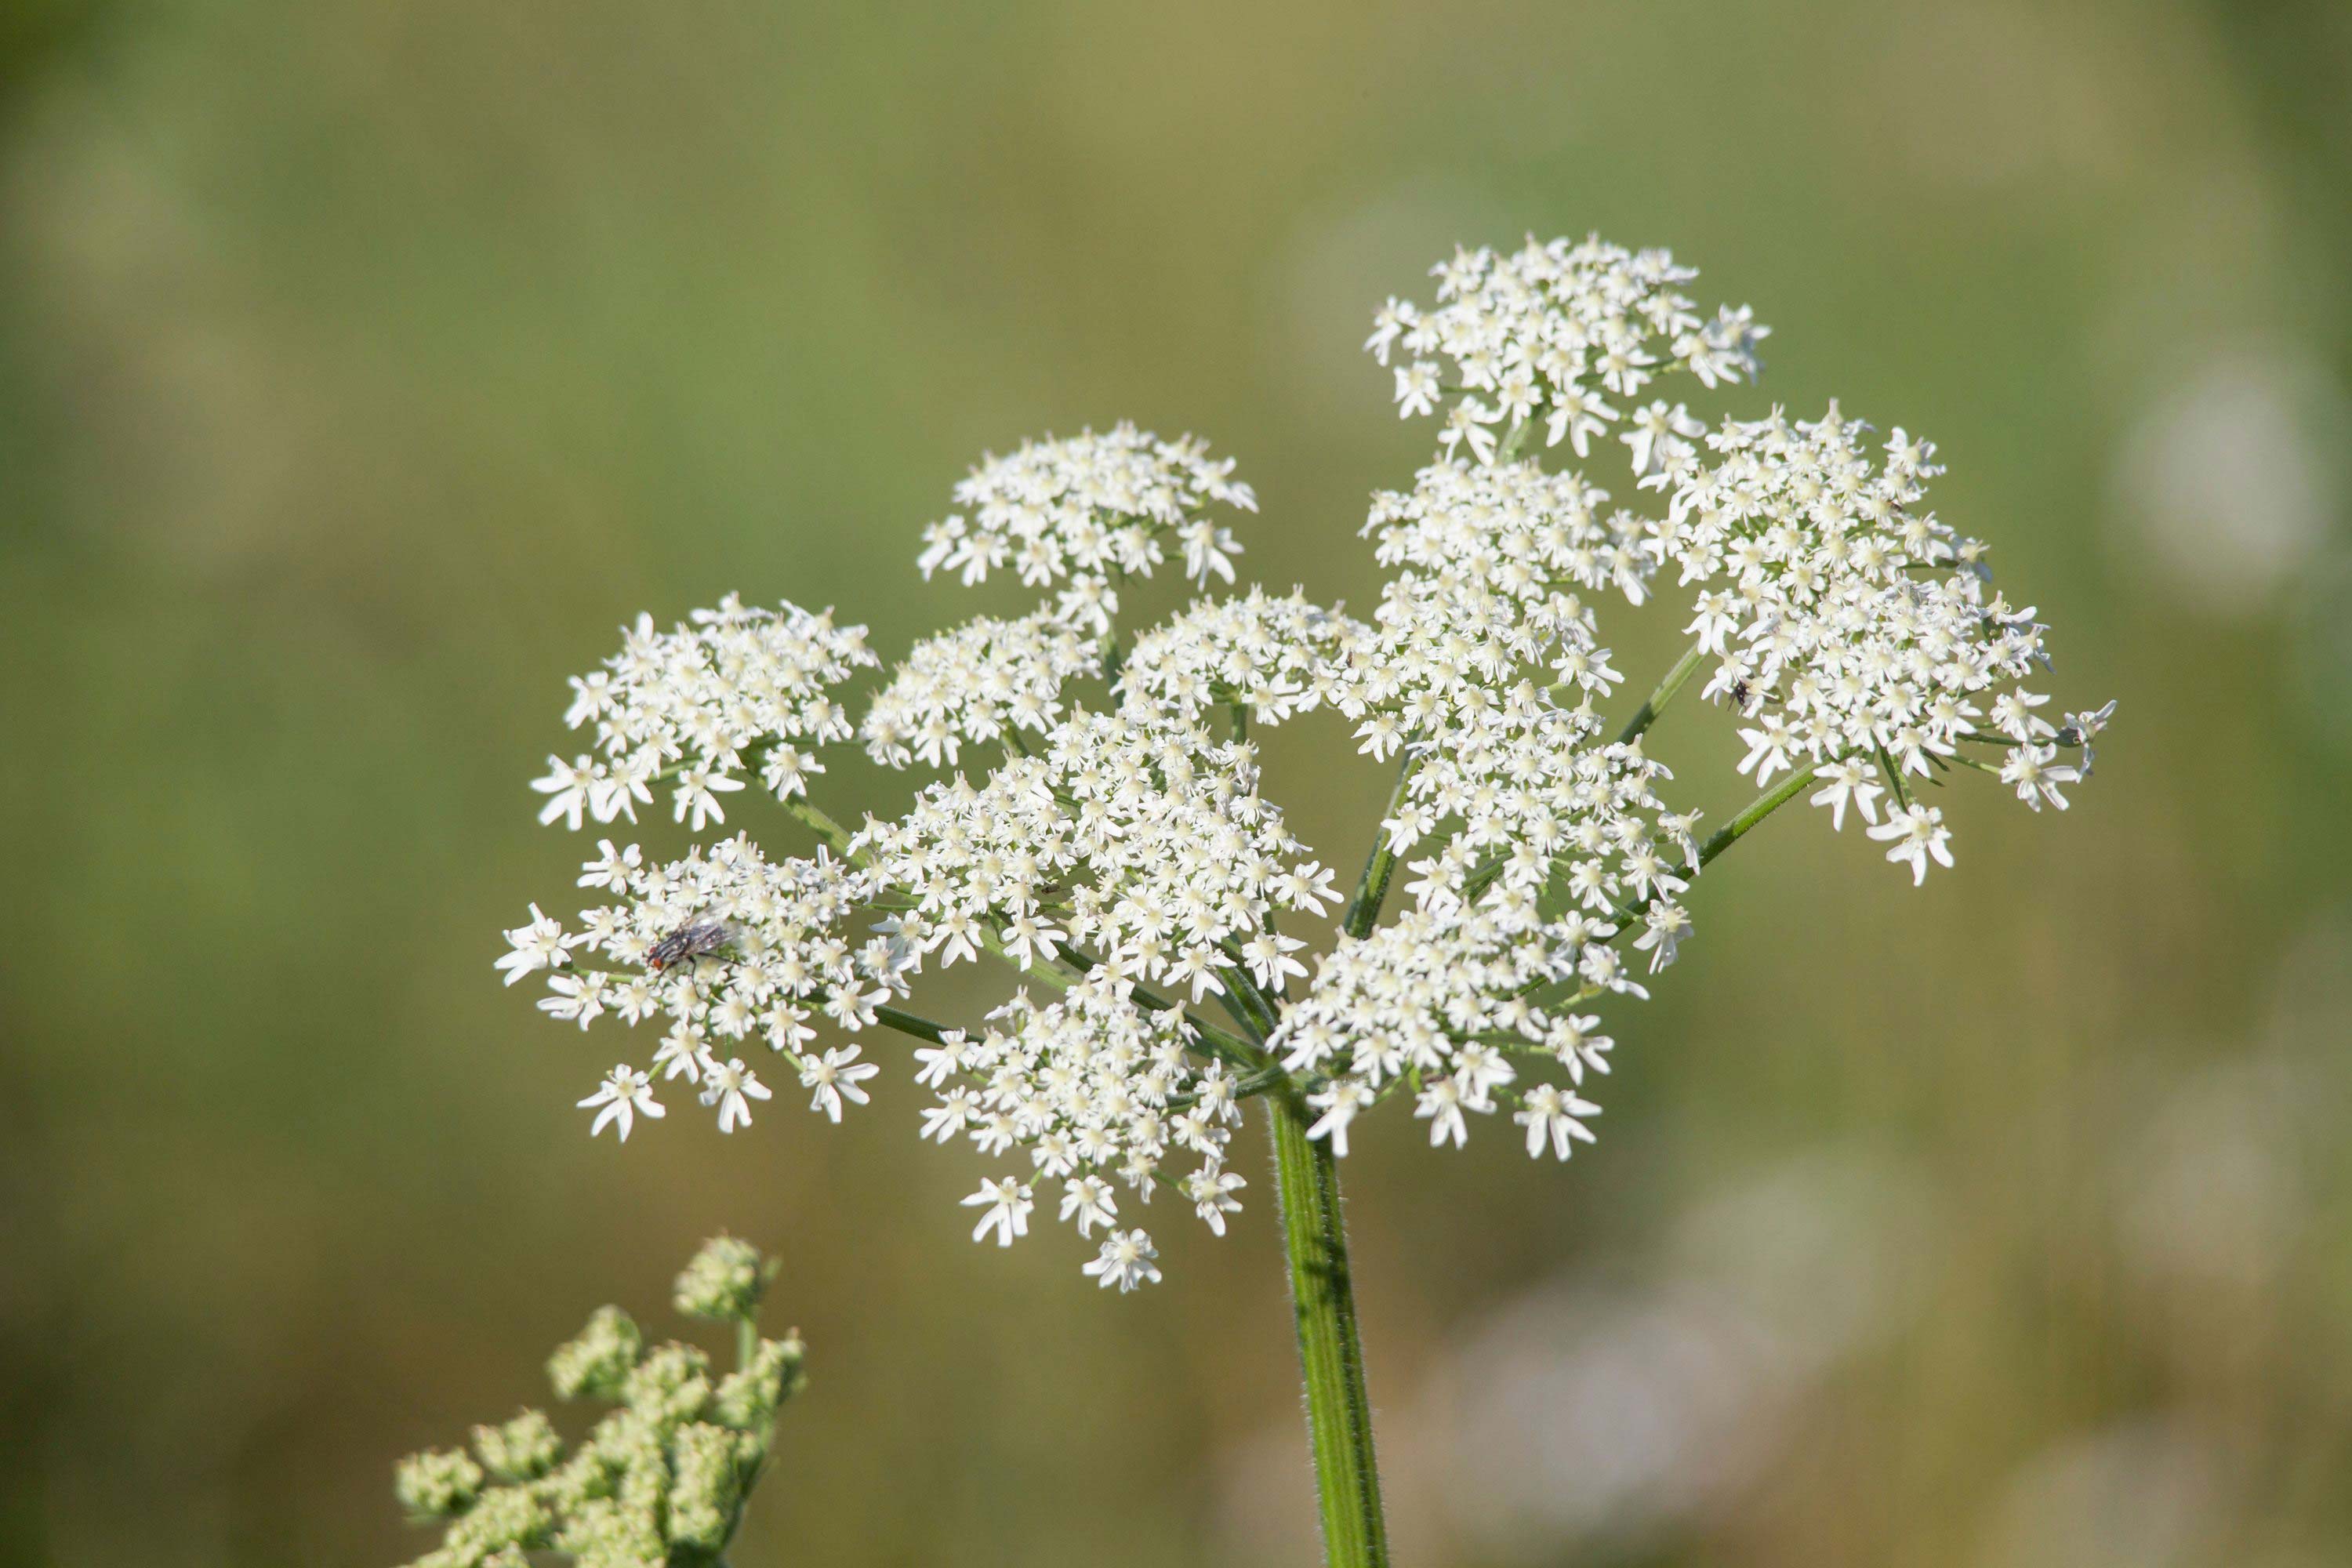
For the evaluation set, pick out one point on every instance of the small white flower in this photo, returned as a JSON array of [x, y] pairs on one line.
[[1552, 1115], [1850, 780], [732, 1087], [834, 1077], [1917, 833], [614, 869], [1126, 1261], [624, 1095], [2037, 772], [681, 1054], [1417, 389], [1664, 926], [1008, 1204], [539, 944], [1212, 1191], [1441, 1104], [1091, 1200], [1341, 1104], [698, 793], [566, 787]]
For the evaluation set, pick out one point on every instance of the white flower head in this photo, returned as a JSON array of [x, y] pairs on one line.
[[1090, 507], [692, 709], [1090, 813], [1553, 331], [1854, 633]]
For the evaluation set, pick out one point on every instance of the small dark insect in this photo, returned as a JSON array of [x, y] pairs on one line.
[[690, 940], [1740, 693]]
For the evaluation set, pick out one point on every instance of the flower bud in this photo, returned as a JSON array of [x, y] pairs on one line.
[[747, 1399], [671, 1385], [708, 1493], [524, 1449], [596, 1362], [437, 1482], [723, 1281]]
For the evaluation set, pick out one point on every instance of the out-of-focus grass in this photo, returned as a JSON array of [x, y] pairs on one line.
[[363, 367]]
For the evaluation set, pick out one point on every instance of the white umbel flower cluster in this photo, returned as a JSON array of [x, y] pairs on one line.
[[700, 705], [1854, 631], [1536, 833], [1552, 333], [1135, 852], [1275, 658], [1101, 827], [969, 685], [1090, 508], [1098, 1093], [1143, 839], [735, 951]]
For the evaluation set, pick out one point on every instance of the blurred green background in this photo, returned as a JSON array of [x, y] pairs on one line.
[[363, 365]]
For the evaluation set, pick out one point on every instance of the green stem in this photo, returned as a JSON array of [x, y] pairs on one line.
[[1649, 712], [1729, 833], [1762, 806], [911, 1023], [1372, 887], [1517, 438], [816, 816], [1330, 1356]]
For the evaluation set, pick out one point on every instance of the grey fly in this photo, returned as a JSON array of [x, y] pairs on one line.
[[688, 942]]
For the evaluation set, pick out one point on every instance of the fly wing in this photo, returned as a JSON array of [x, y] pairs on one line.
[[691, 940]]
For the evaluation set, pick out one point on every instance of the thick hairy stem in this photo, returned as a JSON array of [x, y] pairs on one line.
[[1330, 1354], [1649, 710]]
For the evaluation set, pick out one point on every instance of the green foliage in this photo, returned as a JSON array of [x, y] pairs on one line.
[[662, 1480]]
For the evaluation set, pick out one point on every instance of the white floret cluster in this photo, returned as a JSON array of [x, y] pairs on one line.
[[1099, 1093], [773, 961], [1140, 840], [1540, 842], [1851, 630], [698, 706], [1101, 827], [1275, 658], [1492, 570], [1089, 509], [1550, 333], [972, 685], [1135, 851]]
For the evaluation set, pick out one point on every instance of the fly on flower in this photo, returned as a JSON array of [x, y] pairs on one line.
[[1094, 814], [688, 942], [1115, 849]]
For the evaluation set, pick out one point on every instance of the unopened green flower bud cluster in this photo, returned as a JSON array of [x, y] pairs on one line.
[[661, 1480]]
